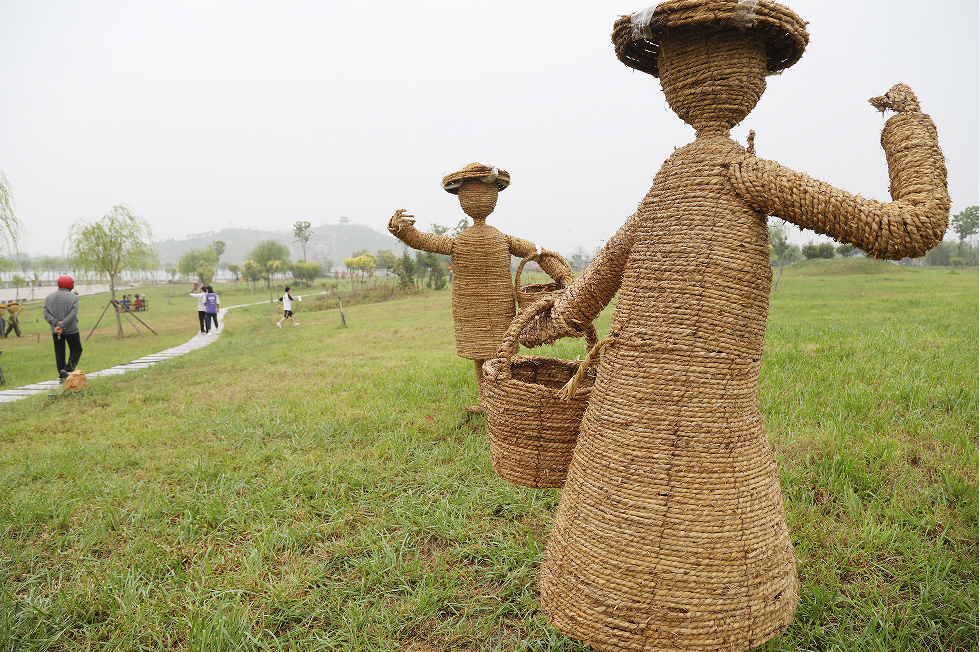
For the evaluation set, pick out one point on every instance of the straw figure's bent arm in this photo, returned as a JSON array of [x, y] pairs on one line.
[[554, 264], [584, 299], [402, 227], [910, 225]]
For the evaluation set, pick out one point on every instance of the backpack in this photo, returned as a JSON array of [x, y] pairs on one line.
[[210, 302]]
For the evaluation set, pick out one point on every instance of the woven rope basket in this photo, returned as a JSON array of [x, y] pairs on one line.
[[532, 292], [533, 431]]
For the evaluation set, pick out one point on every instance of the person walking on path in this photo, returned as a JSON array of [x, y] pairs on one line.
[[211, 303], [200, 304], [286, 302], [61, 312]]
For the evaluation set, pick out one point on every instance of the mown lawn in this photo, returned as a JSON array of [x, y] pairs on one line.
[[319, 488]]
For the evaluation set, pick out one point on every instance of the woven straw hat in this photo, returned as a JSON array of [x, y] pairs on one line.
[[477, 171], [637, 37]]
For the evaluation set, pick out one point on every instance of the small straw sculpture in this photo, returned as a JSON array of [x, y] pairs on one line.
[[670, 532], [532, 426], [482, 289]]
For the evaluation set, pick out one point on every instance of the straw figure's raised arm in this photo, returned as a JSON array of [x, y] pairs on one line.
[[908, 226], [584, 299], [554, 264], [403, 227]]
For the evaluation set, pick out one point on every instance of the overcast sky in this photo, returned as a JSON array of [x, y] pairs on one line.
[[204, 114]]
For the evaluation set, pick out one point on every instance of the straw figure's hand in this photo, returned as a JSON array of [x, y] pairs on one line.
[[900, 99], [580, 304], [402, 226], [400, 220], [546, 328]]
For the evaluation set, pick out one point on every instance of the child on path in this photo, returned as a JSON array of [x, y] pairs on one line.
[[211, 303], [286, 302]]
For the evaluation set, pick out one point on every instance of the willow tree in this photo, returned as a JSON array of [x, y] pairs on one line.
[[121, 241], [10, 227]]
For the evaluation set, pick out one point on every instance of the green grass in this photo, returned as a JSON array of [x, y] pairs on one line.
[[318, 488]]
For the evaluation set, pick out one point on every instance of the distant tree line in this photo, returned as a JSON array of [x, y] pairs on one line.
[[268, 261], [947, 253]]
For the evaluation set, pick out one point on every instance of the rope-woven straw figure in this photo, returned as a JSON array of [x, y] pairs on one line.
[[670, 532], [482, 288]]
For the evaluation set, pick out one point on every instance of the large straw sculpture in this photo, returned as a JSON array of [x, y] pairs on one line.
[[482, 289], [670, 532]]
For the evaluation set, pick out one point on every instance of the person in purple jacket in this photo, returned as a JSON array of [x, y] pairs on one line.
[[211, 303]]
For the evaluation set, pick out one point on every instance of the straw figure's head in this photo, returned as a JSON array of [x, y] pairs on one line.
[[477, 186], [712, 57]]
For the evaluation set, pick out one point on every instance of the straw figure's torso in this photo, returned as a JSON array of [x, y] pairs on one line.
[[672, 503], [483, 291]]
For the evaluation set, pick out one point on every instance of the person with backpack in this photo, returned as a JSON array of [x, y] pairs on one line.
[[211, 303], [286, 302]]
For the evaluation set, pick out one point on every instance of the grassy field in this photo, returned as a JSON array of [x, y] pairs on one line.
[[319, 488], [30, 358]]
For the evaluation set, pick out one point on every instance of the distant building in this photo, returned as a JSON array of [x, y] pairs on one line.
[[321, 252], [343, 220]]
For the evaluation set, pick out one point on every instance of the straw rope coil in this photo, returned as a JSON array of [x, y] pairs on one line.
[[532, 430]]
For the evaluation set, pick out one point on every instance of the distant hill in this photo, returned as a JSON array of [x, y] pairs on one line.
[[328, 241]]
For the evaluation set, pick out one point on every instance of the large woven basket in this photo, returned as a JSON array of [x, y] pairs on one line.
[[532, 431], [532, 292]]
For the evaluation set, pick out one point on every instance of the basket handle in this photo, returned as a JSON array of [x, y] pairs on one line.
[[512, 338], [520, 268]]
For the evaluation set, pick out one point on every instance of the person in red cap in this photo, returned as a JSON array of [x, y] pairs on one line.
[[61, 311]]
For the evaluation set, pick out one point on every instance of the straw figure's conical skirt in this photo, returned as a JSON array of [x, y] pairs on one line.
[[670, 532]]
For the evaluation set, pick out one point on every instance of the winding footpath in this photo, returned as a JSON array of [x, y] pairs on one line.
[[199, 341]]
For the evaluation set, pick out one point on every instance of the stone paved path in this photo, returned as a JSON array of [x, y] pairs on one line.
[[199, 341]]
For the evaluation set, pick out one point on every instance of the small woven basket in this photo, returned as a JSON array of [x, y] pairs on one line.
[[528, 294], [533, 431]]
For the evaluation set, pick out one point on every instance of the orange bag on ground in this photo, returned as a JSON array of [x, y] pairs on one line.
[[75, 382]]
